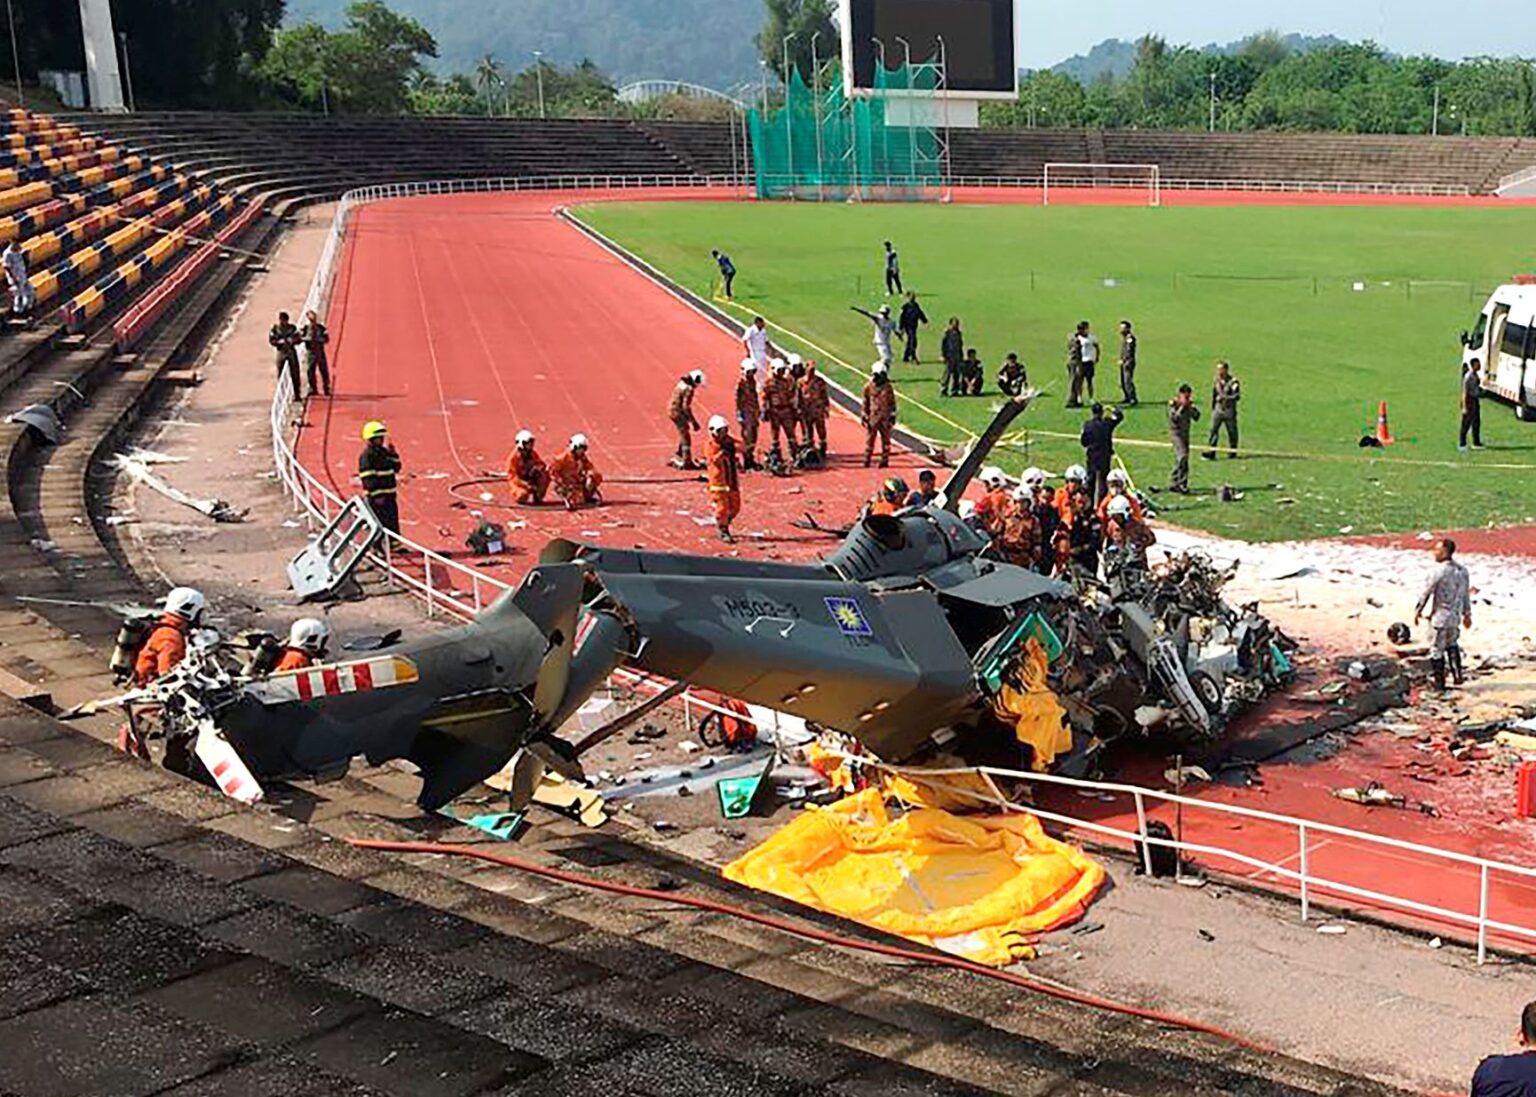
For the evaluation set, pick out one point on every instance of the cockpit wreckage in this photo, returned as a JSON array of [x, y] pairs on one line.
[[903, 639]]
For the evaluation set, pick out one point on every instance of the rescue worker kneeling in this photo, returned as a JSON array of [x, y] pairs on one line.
[[724, 476], [167, 643], [163, 651], [1126, 538], [575, 479], [527, 475], [307, 638], [891, 497]]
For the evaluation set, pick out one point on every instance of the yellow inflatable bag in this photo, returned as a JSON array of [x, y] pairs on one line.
[[981, 887]]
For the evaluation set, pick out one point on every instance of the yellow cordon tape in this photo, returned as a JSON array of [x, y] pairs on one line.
[[1014, 440]]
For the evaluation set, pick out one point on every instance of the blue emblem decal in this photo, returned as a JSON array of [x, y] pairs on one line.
[[848, 616]]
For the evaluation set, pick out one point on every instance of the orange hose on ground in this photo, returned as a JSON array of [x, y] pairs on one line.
[[937, 959]]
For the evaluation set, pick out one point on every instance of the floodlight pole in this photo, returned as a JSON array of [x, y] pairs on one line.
[[1435, 127], [122, 36], [885, 136], [1212, 128], [821, 193], [10, 17], [538, 73], [943, 87], [789, 117], [906, 49]]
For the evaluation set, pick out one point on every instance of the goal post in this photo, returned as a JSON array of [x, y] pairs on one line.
[[1131, 178]]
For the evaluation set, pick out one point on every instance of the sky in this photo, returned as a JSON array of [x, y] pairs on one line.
[[1468, 28]]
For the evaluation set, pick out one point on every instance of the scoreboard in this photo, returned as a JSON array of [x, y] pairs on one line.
[[979, 43]]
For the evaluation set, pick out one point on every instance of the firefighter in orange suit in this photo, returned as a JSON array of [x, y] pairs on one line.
[[527, 475], [993, 507], [306, 645], [575, 480], [724, 476], [164, 648]]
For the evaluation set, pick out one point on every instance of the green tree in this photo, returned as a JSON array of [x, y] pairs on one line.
[[805, 19], [581, 91], [455, 95], [488, 79], [1045, 99], [368, 67]]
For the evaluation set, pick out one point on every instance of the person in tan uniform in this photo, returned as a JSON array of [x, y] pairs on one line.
[[879, 415], [749, 412], [815, 405], [680, 413], [781, 407]]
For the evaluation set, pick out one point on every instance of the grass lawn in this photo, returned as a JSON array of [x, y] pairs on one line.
[[1273, 289]]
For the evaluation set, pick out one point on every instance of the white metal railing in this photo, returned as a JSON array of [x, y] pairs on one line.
[[1309, 883], [1521, 178], [450, 587], [1249, 186]]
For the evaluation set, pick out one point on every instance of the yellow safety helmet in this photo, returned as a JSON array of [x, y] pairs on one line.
[[374, 429]]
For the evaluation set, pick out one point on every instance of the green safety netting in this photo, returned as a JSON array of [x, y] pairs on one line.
[[823, 145]]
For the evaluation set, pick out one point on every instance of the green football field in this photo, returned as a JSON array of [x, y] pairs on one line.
[[1323, 312]]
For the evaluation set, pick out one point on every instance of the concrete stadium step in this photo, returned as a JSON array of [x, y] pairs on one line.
[[250, 951]]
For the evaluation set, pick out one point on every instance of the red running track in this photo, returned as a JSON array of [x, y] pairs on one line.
[[459, 320]]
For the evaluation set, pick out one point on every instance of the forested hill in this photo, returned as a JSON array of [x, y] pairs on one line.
[[1116, 57], [705, 41]]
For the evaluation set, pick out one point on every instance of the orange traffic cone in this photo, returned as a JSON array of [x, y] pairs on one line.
[[1383, 432]]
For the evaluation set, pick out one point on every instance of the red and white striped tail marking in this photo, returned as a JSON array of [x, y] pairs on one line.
[[231, 773], [338, 678]]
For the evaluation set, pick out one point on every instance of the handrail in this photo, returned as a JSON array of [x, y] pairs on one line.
[[1308, 882], [319, 503], [1246, 186], [1516, 179]]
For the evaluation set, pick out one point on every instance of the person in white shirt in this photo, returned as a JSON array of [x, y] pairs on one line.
[[884, 328], [755, 339], [15, 263], [1090, 343]]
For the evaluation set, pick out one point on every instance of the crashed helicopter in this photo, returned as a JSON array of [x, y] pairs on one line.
[[901, 639]]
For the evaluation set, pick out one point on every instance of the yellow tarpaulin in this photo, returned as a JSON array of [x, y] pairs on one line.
[[1038, 719], [980, 887]]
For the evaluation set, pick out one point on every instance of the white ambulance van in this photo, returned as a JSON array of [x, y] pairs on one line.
[[1504, 344]]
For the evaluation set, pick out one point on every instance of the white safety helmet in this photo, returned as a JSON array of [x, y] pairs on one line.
[[717, 423], [1117, 476], [1032, 477], [186, 602], [793, 359], [525, 437], [696, 378], [1075, 474], [309, 634], [748, 365], [1119, 507], [1023, 493], [878, 367], [779, 364], [578, 441], [993, 477]]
